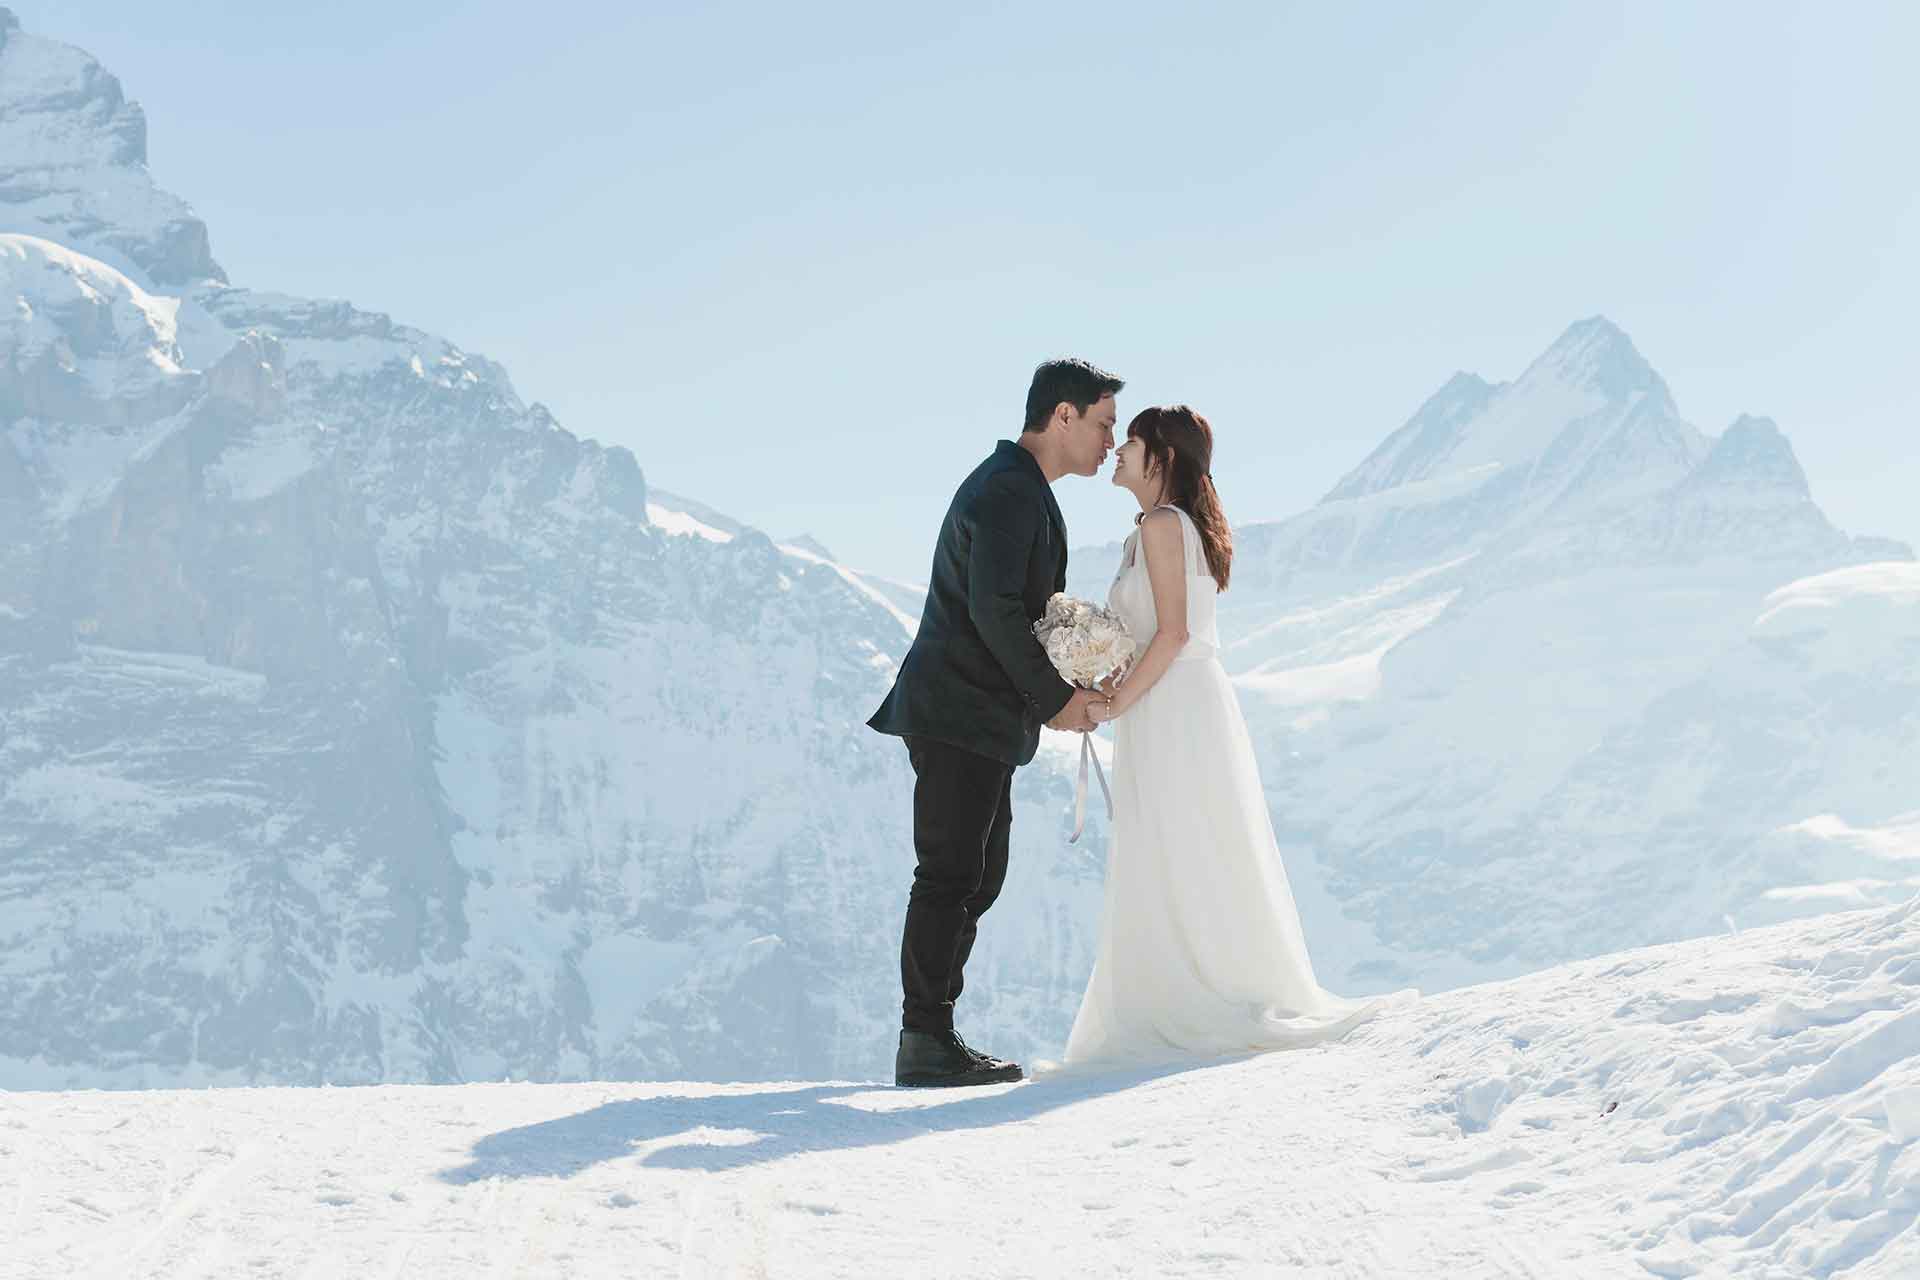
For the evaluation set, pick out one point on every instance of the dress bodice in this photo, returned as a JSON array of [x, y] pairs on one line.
[[1131, 595]]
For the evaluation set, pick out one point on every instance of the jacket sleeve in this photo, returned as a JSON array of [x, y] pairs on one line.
[[1005, 523]]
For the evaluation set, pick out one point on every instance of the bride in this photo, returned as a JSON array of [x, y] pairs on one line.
[[1200, 948]]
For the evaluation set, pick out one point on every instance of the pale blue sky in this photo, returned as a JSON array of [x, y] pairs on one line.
[[802, 259]]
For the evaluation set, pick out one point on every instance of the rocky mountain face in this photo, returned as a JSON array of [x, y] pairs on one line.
[[76, 164], [1526, 690], [358, 722]]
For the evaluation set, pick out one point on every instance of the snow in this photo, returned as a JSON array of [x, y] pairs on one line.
[[684, 517], [1903, 1114], [1286, 681], [1352, 518], [1896, 841], [626, 973], [1591, 370], [269, 461], [1643, 1114], [84, 795], [42, 271], [1521, 422], [909, 623], [83, 341], [1841, 618], [678, 522], [1584, 396], [78, 468]]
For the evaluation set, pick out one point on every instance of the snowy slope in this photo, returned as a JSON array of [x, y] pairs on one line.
[[1735, 1106]]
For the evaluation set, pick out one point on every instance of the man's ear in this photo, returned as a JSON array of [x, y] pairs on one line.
[[1063, 413]]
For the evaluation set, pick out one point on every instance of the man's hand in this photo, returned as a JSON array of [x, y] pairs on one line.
[[1074, 717]]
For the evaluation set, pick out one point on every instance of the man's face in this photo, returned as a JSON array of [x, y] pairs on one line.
[[1090, 436]]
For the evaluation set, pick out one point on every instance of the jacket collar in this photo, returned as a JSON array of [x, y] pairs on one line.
[[1011, 450]]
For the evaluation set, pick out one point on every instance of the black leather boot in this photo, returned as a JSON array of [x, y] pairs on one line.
[[986, 1059], [939, 1059]]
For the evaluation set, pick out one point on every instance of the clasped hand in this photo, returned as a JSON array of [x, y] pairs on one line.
[[1088, 708], [1077, 715]]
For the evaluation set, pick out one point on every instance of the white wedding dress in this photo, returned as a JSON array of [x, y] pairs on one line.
[[1200, 950]]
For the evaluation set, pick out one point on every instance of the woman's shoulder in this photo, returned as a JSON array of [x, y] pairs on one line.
[[1165, 519], [1161, 527]]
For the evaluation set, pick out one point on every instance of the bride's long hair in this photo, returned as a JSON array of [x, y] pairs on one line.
[[1180, 443]]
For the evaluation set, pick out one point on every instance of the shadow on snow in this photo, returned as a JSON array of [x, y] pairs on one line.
[[786, 1121]]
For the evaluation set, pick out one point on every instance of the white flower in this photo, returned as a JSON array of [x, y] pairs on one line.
[[1085, 641]]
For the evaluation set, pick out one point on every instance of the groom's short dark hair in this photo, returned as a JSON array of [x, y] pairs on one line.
[[1074, 381]]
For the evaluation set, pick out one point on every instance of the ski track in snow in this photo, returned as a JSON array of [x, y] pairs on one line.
[[1742, 1106]]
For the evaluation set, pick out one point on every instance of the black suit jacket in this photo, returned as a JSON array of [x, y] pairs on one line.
[[975, 676]]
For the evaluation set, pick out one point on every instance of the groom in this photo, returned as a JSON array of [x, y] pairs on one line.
[[971, 696]]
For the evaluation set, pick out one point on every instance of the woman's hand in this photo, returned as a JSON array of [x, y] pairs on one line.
[[1101, 712]]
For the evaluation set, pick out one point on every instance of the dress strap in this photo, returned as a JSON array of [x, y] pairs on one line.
[[1190, 549]]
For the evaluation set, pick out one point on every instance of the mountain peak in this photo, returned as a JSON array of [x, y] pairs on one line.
[[73, 160], [1753, 455], [1596, 354], [1591, 380], [1755, 427]]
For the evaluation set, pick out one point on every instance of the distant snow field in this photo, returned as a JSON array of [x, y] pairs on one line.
[[1745, 1105]]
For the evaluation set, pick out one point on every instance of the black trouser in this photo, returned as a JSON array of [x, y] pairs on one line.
[[962, 814]]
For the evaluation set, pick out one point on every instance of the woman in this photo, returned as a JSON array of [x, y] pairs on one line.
[[1201, 950]]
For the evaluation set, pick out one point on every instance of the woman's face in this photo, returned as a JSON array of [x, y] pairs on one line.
[[1131, 467]]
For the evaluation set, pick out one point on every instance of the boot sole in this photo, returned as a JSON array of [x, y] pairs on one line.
[[959, 1079]]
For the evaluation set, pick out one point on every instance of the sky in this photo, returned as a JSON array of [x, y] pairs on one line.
[[803, 259]]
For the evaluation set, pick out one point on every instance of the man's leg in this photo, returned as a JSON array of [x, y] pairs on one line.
[[994, 875], [957, 797]]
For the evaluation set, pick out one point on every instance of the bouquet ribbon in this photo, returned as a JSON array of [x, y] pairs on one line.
[[1080, 790]]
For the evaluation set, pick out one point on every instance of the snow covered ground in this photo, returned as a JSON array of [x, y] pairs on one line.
[[1745, 1105]]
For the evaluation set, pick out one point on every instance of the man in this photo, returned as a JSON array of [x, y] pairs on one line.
[[971, 696]]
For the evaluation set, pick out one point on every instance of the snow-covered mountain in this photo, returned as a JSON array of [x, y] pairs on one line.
[[1729, 1106], [358, 722], [1553, 673]]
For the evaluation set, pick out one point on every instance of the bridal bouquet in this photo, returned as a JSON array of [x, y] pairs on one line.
[[1086, 643]]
